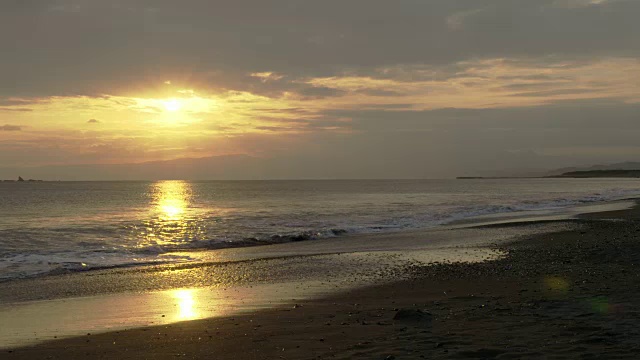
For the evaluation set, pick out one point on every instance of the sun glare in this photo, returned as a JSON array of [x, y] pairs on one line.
[[172, 199], [186, 304], [172, 105]]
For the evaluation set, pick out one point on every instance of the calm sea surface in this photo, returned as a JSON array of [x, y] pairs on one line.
[[66, 226]]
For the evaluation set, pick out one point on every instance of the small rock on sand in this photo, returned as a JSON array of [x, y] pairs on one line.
[[412, 316]]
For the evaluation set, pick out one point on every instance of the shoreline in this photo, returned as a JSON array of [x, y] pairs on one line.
[[528, 216], [479, 296], [39, 309]]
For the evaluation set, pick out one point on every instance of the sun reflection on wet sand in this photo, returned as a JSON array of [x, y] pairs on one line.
[[37, 321], [187, 306]]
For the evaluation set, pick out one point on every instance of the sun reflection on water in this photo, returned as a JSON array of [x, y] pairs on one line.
[[170, 218], [177, 216], [172, 199]]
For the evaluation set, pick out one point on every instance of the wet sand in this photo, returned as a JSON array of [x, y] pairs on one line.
[[227, 282], [565, 294]]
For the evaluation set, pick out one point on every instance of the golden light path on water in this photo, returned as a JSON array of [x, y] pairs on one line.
[[170, 217], [171, 199]]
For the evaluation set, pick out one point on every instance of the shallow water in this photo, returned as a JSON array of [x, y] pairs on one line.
[[74, 226]]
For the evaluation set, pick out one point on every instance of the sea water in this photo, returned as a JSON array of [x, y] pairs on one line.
[[49, 227]]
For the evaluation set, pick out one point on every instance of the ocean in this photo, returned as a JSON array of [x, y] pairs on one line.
[[53, 227]]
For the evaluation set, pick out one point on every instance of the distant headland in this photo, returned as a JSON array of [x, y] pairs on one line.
[[20, 179], [599, 174], [627, 169], [571, 174]]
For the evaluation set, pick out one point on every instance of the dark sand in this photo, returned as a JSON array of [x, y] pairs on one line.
[[570, 294]]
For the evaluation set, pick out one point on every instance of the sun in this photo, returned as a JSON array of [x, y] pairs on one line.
[[172, 105]]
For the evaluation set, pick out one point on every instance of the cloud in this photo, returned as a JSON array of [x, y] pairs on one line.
[[451, 83], [456, 21], [460, 135], [11, 101], [218, 45], [582, 3], [550, 93], [15, 109], [10, 128], [318, 92], [379, 92], [409, 143]]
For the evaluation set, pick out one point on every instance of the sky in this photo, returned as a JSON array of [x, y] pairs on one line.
[[255, 89]]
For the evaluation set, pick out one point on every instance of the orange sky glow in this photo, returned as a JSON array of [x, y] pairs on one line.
[[181, 87]]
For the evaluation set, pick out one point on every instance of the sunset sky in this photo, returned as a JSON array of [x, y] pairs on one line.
[[316, 89]]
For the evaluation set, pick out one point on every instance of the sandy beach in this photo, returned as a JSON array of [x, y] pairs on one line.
[[568, 292]]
